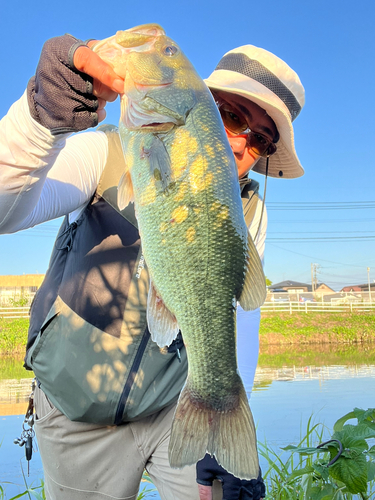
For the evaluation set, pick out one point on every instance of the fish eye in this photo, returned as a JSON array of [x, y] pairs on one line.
[[170, 50]]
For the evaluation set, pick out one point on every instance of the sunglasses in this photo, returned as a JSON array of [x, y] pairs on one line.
[[235, 122]]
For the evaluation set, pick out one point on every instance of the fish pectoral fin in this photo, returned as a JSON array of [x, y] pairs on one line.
[[125, 192], [228, 433], [161, 322], [160, 164], [254, 289]]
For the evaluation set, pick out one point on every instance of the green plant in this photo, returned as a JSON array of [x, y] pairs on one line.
[[343, 469], [22, 301], [145, 491], [13, 334]]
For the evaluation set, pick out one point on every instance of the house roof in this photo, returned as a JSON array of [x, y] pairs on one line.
[[359, 288], [354, 288], [290, 283], [296, 284]]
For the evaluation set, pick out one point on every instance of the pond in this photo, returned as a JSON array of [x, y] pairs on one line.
[[291, 384]]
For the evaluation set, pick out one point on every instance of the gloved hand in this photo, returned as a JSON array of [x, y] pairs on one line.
[[71, 86], [233, 488]]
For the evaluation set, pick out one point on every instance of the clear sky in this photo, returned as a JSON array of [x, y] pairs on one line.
[[327, 217]]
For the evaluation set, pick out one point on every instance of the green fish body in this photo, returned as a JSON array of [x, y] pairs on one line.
[[182, 176]]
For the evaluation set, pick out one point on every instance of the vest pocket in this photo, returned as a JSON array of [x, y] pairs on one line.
[[81, 369]]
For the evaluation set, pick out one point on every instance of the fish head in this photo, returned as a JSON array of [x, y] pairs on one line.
[[160, 83]]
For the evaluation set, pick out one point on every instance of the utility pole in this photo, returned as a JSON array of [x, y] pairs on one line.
[[369, 286], [314, 278]]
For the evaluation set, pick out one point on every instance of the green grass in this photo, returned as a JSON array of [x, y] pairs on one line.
[[275, 328], [279, 328], [12, 368], [13, 335]]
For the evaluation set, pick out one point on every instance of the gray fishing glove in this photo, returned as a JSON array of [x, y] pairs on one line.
[[60, 97], [233, 488]]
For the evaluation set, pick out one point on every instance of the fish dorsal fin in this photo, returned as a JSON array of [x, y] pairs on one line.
[[161, 322], [125, 192], [254, 289]]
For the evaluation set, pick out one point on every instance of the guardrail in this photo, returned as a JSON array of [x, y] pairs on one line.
[[14, 312], [308, 307]]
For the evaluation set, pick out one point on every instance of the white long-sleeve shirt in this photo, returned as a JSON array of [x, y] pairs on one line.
[[43, 177]]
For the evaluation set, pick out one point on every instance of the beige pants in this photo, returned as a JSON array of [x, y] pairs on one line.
[[86, 461]]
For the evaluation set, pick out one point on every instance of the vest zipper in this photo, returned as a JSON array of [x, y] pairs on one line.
[[130, 380]]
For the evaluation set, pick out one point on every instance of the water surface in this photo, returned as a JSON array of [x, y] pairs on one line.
[[291, 384]]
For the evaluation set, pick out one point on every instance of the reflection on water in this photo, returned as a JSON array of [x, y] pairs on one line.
[[291, 384]]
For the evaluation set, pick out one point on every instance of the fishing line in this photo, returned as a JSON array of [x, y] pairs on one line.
[[264, 200]]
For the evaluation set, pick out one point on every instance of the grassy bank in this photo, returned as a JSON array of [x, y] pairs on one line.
[[13, 335], [276, 329], [316, 328]]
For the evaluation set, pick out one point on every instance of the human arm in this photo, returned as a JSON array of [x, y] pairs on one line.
[[43, 174]]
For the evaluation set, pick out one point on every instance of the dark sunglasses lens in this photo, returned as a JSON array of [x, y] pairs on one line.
[[234, 122], [260, 145]]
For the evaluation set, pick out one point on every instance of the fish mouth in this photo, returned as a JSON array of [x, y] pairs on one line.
[[148, 115]]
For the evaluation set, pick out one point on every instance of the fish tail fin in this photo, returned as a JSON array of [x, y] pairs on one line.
[[228, 434]]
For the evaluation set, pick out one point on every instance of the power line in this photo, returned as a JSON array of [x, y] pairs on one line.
[[310, 257], [319, 239], [311, 205], [319, 232]]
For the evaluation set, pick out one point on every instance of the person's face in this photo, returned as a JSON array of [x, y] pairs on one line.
[[257, 120]]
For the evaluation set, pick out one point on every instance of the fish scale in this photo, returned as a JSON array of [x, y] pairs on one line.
[[182, 177]]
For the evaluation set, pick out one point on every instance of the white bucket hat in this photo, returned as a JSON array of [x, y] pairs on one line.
[[265, 79]]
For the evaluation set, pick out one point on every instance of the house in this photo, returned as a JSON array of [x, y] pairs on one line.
[[290, 286], [351, 288], [297, 290], [15, 287], [359, 288]]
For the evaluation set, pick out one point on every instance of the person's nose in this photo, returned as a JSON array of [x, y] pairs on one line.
[[238, 144]]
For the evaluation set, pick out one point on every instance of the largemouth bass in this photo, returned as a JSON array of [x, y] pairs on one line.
[[182, 176]]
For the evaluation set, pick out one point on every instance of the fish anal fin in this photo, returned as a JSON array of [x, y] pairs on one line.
[[228, 434], [254, 290], [161, 322], [125, 192]]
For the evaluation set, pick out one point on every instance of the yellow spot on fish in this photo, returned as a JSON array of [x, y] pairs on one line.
[[180, 195], [148, 195], [183, 147], [223, 213], [210, 150], [198, 178], [215, 205], [190, 234], [180, 214]]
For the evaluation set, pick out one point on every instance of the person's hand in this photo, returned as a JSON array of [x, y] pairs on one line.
[[233, 488], [71, 86], [106, 83]]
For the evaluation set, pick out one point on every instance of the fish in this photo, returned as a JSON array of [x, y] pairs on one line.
[[182, 177]]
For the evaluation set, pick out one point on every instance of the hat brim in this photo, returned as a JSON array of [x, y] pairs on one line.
[[284, 163]]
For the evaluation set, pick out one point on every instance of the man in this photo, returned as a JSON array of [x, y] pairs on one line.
[[89, 344]]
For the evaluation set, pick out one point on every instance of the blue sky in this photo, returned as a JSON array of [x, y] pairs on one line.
[[327, 217]]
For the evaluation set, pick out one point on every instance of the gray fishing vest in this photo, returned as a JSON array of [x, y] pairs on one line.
[[88, 342]]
